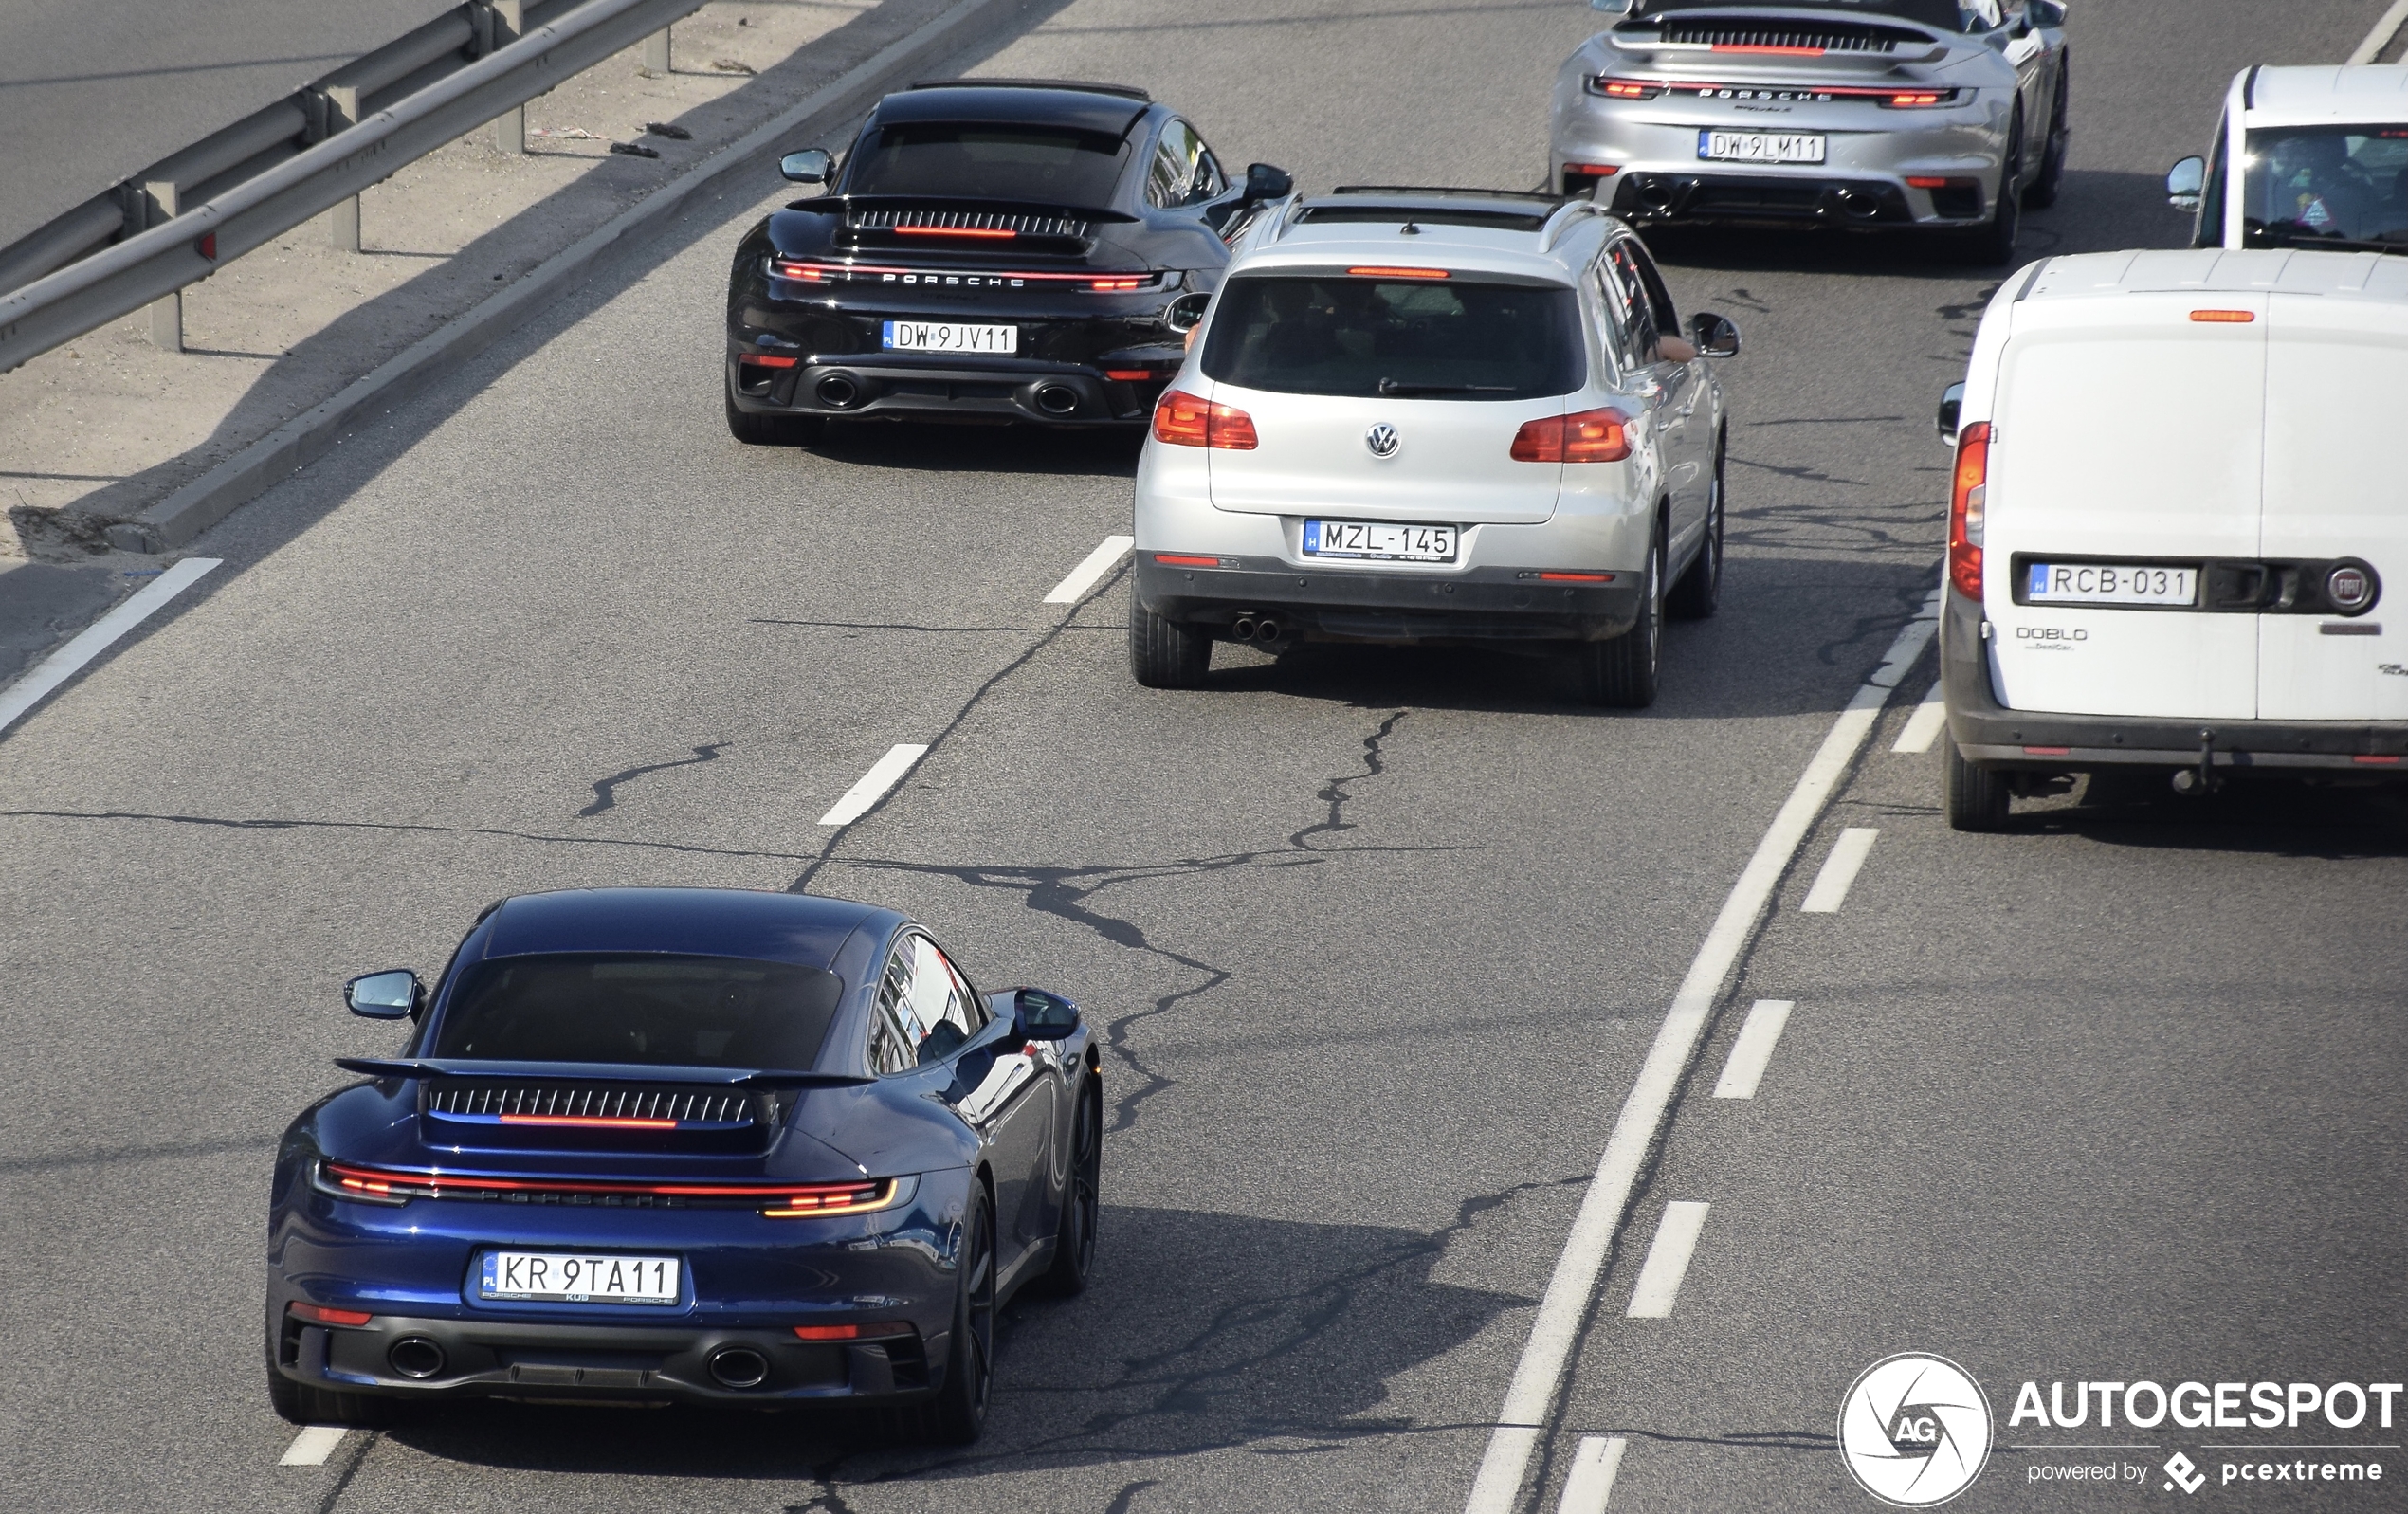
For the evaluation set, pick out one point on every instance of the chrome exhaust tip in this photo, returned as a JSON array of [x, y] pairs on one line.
[[415, 1356], [838, 392], [739, 1367], [1057, 399]]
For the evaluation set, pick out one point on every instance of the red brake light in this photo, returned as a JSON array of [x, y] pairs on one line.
[[852, 1332], [1183, 420], [2376, 761], [767, 361], [1108, 287], [1967, 506], [1399, 273], [1576, 577], [1912, 99], [317, 1315], [1131, 376], [990, 233], [777, 1200], [2235, 317], [1595, 171], [1185, 560], [1627, 89], [1918, 182], [1588, 436]]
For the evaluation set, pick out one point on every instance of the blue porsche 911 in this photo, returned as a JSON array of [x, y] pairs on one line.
[[683, 1145]]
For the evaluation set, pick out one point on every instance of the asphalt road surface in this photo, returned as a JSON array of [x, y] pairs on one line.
[[95, 91], [1381, 935]]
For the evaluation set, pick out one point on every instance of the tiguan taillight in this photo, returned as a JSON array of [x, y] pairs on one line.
[[1183, 420], [1588, 436], [1967, 506]]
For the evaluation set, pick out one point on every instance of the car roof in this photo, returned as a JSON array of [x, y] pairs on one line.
[[775, 927], [1108, 113], [1555, 251], [2339, 92], [2211, 270]]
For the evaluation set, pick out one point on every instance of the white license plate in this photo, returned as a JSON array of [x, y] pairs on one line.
[[576, 1277], [947, 337], [1379, 542], [1761, 147], [2108, 583]]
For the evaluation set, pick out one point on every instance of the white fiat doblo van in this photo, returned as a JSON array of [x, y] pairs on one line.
[[2179, 499]]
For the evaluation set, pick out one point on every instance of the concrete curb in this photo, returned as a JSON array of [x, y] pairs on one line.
[[259, 466]]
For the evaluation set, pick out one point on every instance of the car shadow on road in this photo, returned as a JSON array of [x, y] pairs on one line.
[[1199, 1331], [2273, 817]]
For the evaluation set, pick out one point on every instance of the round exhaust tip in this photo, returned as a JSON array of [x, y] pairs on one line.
[[415, 1356], [1267, 630], [838, 392], [739, 1367], [1243, 627], [1858, 204], [1057, 399], [1655, 197]]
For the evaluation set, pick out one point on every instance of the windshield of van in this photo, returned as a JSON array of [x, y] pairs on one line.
[[1044, 164], [2339, 186], [667, 1011], [1396, 339]]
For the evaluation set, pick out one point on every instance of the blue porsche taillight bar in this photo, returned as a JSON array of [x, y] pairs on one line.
[[386, 1185]]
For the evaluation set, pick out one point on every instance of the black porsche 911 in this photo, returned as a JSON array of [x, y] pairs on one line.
[[989, 250], [683, 1146]]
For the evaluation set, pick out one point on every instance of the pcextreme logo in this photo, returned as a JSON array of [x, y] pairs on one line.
[[1914, 1429]]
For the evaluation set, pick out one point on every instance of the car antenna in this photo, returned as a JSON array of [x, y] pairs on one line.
[[1409, 230]]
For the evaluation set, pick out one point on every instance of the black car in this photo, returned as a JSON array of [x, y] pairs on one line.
[[990, 249], [683, 1146]]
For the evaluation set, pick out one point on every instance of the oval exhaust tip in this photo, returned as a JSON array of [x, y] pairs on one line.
[[415, 1356], [739, 1367]]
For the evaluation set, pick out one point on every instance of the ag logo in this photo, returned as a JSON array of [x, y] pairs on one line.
[[1382, 440], [1915, 1431]]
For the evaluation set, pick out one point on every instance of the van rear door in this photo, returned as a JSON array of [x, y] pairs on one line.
[[2336, 404], [2127, 434]]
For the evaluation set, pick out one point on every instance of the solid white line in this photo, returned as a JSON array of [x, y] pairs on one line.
[[313, 1446], [1924, 726], [1753, 1050], [1592, 1479], [1847, 855], [2381, 37], [1538, 1376], [1668, 1261], [883, 774], [70, 659], [1082, 577]]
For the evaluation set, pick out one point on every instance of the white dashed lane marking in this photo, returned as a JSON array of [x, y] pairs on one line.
[[883, 774], [1592, 1479], [313, 1446], [1924, 726], [1088, 573], [1839, 870], [1668, 1261], [1753, 1050]]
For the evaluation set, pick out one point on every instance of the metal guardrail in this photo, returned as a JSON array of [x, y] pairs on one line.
[[244, 186]]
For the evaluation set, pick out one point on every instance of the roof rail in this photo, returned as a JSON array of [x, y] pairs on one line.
[[1447, 188], [1566, 214], [1084, 86], [1286, 218]]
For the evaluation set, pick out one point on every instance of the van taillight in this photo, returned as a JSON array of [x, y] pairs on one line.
[[1183, 420], [1966, 507]]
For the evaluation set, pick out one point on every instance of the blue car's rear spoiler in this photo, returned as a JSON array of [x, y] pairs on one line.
[[609, 1071]]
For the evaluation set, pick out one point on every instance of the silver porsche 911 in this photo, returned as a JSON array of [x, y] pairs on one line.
[[1870, 114]]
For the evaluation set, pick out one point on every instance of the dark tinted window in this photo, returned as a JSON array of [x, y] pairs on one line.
[[989, 163], [679, 1011], [1404, 338]]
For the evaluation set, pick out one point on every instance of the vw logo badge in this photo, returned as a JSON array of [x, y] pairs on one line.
[[1382, 440]]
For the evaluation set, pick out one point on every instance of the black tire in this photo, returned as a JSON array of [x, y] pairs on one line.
[[957, 1416], [774, 430], [1163, 653], [1977, 796], [1623, 673], [1082, 1204], [1993, 246], [2043, 191], [301, 1404], [1699, 593]]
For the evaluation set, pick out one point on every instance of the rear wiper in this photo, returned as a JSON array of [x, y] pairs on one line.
[[1388, 386]]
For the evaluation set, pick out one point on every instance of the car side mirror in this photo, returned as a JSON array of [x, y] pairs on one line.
[[1264, 182], [1042, 1016], [812, 165], [2185, 181], [1952, 405], [1714, 334], [394, 996], [1184, 312], [2045, 13]]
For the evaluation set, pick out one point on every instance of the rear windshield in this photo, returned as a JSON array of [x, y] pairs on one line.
[[1052, 167], [677, 1011], [2328, 186], [1403, 338]]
